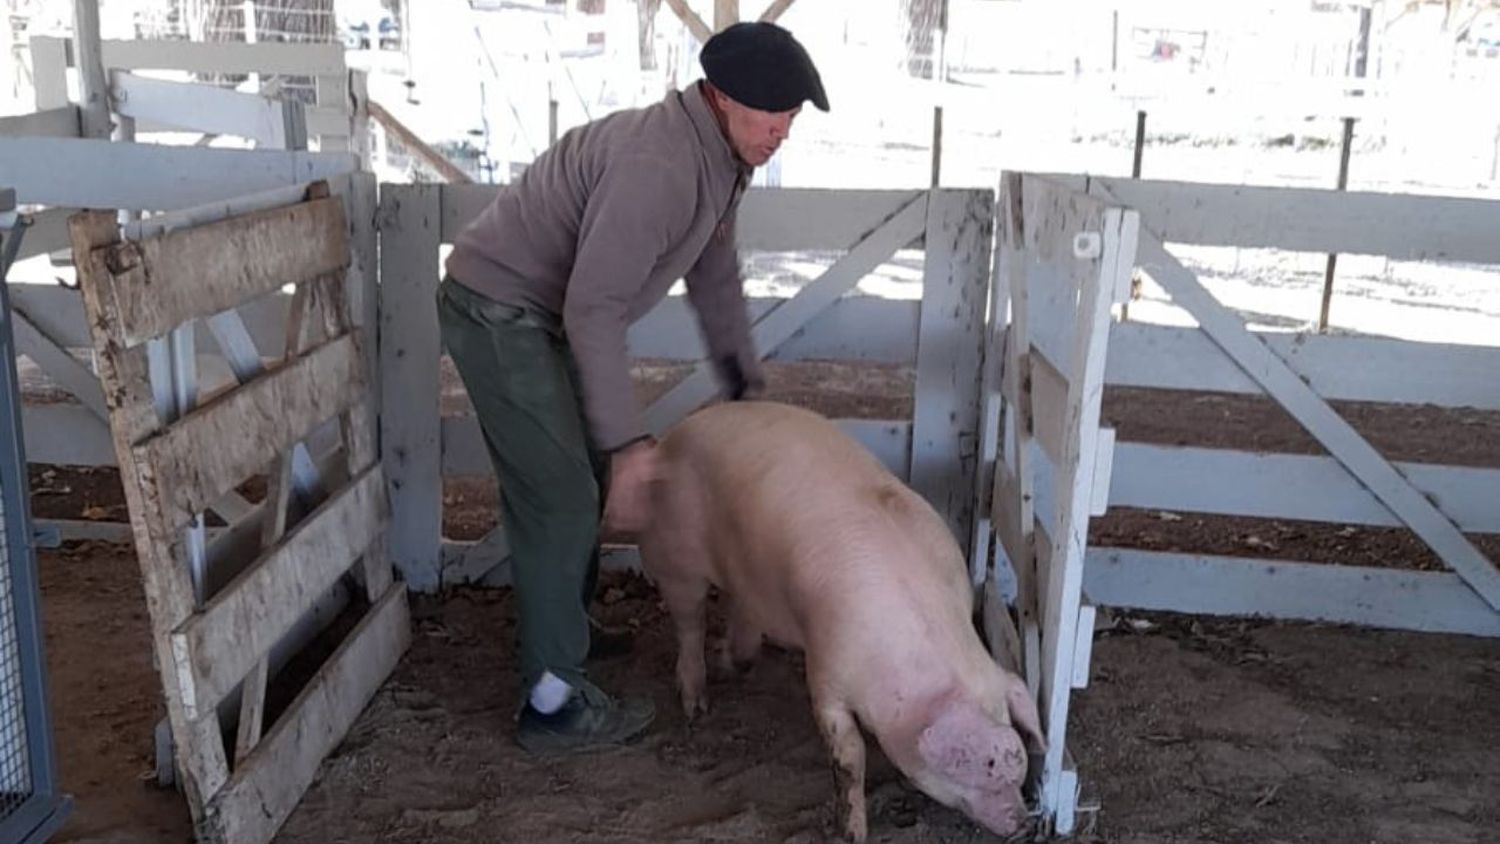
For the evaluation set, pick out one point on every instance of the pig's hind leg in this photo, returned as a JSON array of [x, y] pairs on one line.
[[740, 649], [673, 558]]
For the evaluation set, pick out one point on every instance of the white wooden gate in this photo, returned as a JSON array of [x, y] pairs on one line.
[[1068, 248]]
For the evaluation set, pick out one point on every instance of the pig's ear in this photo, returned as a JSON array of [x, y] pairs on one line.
[[1023, 717]]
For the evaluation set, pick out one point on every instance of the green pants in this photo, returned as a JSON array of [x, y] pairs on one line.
[[521, 377]]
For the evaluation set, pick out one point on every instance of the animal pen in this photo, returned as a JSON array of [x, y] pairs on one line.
[[211, 373]]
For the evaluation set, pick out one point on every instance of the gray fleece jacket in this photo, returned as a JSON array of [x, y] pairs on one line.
[[598, 229]]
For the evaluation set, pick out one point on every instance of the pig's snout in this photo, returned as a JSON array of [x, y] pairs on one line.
[[1002, 811], [978, 764]]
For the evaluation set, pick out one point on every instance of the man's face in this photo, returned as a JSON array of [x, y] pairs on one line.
[[755, 134]]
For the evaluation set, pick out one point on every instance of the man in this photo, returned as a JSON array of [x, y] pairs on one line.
[[539, 293]]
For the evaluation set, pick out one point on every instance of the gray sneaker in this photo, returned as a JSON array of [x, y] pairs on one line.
[[590, 720]]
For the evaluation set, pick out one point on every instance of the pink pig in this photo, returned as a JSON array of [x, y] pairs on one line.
[[818, 547]]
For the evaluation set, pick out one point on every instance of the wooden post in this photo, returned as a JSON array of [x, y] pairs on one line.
[[1140, 144], [691, 20], [49, 72], [410, 351], [939, 72], [1333, 258], [1135, 173], [774, 11], [726, 14], [93, 88]]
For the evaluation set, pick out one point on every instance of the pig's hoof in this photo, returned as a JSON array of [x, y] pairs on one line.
[[855, 829], [694, 706]]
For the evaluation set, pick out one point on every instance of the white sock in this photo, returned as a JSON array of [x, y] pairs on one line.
[[549, 693]]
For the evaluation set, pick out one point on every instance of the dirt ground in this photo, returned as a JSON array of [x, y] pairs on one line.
[[1192, 729]]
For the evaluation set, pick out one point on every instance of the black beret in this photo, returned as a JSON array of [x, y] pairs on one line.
[[762, 66]]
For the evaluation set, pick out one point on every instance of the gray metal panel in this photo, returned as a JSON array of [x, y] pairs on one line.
[[29, 805]]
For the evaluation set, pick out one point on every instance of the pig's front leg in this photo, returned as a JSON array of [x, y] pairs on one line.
[[847, 746]]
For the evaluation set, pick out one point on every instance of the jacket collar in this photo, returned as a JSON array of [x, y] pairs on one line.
[[716, 149]]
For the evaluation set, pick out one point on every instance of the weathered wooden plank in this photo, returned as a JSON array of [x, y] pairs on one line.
[[769, 220], [169, 590], [84, 173], [160, 283], [1049, 404], [1288, 486], [202, 108], [216, 647], [1341, 368], [61, 122], [854, 328], [410, 346], [221, 443], [783, 323], [267, 57], [1427, 228], [945, 425], [1308, 408], [1431, 602], [1012, 496], [464, 452], [263, 791]]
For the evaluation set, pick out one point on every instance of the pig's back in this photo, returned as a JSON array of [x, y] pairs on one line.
[[817, 531]]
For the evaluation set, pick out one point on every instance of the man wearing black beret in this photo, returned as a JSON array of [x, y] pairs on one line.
[[539, 293]]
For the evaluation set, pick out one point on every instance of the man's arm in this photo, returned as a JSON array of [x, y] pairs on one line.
[[618, 245], [716, 292]]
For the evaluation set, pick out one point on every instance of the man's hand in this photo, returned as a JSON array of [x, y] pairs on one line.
[[627, 505]]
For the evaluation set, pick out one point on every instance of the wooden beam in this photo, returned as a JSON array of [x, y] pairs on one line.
[[202, 108], [266, 57], [62, 122], [774, 11], [85, 173], [222, 443], [464, 453], [163, 282], [1422, 228], [1291, 486], [726, 14], [1430, 602], [216, 647], [690, 19], [416, 146], [1365, 369], [264, 790], [855, 328], [1307, 407], [60, 365], [769, 219], [781, 324]]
